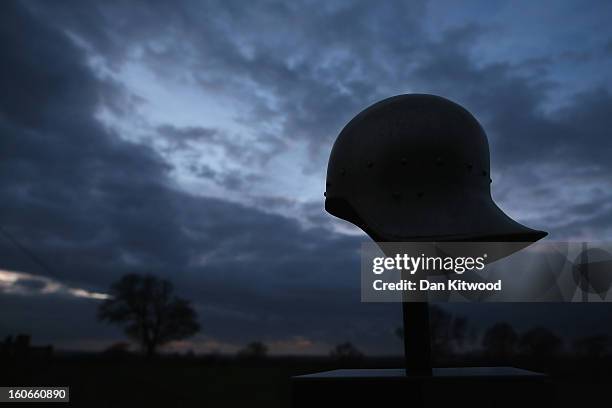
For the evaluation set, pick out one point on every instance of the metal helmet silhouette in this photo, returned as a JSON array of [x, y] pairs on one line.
[[415, 167]]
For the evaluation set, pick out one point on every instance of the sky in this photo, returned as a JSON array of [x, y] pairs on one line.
[[190, 140]]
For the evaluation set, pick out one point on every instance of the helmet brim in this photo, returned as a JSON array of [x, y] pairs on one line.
[[468, 222]]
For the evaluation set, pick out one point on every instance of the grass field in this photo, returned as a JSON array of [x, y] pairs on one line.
[[130, 381]]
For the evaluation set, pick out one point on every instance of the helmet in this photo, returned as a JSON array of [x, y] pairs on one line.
[[415, 167]]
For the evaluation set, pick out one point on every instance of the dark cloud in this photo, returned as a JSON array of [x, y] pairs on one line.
[[184, 139], [30, 284], [54, 319], [608, 47], [317, 63], [95, 206], [191, 142], [310, 69]]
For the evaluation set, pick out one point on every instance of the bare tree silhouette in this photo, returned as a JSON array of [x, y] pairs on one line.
[[149, 312], [595, 346], [500, 341], [346, 352], [255, 349], [448, 332], [540, 343], [118, 349]]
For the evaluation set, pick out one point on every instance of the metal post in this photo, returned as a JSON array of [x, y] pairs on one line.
[[417, 348], [417, 341]]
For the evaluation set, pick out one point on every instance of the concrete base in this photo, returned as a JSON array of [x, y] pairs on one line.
[[446, 387]]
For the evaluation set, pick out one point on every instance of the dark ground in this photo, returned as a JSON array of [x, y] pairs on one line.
[[130, 381]]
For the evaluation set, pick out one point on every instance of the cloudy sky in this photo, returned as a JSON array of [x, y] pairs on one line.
[[190, 140]]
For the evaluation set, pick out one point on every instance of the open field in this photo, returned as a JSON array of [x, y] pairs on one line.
[[129, 381]]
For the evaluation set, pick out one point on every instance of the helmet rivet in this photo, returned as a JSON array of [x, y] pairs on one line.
[[325, 194], [490, 180], [370, 164]]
